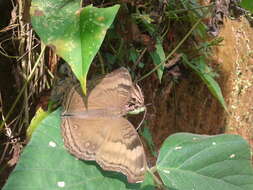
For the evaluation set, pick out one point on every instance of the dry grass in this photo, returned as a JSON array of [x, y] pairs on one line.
[[28, 80]]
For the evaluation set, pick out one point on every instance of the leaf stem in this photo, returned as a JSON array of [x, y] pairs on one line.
[[157, 180], [190, 9]]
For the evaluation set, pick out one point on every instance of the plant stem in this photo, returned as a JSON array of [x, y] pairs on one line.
[[194, 8], [23, 88], [157, 180], [173, 51]]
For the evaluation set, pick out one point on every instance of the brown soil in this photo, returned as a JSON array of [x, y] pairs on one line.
[[236, 62], [188, 106]]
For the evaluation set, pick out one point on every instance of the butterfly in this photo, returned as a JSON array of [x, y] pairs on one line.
[[94, 127]]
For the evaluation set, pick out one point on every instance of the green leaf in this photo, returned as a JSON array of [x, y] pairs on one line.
[[39, 116], [247, 4], [148, 137], [46, 164], [158, 57], [206, 74], [75, 34], [148, 183], [221, 162], [134, 55]]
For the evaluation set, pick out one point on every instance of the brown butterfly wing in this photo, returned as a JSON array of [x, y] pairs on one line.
[[112, 142], [84, 137], [77, 133], [113, 92], [122, 150], [73, 101]]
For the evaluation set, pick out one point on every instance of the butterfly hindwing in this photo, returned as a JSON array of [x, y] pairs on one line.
[[123, 151]]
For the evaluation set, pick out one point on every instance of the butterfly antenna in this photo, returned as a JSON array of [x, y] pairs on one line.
[[143, 118]]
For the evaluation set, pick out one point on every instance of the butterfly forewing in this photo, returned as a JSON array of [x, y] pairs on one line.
[[73, 101], [112, 93]]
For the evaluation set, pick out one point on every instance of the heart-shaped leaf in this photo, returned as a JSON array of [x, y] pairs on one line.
[[46, 164], [221, 162], [75, 34]]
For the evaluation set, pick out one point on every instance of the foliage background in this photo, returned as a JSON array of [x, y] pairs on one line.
[[182, 105]]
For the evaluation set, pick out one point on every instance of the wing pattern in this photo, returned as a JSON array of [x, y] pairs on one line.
[[110, 140]]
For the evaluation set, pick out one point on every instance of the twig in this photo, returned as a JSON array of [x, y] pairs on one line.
[[22, 33], [139, 59]]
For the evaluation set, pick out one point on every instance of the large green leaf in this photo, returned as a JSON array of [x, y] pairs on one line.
[[200, 162], [75, 34], [45, 164]]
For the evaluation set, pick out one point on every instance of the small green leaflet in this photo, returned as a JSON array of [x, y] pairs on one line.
[[206, 74]]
